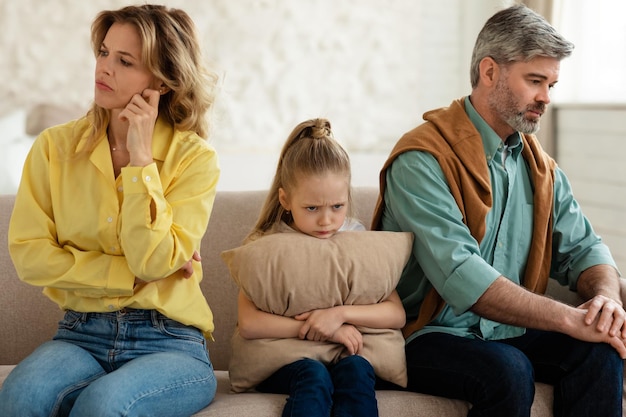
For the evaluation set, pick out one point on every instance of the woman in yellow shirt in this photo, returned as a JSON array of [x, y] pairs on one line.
[[108, 219]]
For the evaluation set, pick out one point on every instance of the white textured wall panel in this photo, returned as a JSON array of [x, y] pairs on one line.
[[590, 147], [371, 66]]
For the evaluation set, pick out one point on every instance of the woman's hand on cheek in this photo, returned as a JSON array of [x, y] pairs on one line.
[[141, 114]]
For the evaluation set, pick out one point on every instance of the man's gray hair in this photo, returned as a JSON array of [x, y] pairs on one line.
[[517, 34]]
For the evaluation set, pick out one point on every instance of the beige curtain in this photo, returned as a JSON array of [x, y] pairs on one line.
[[546, 8], [547, 134]]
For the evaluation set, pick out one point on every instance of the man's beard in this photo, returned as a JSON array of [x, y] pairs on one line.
[[503, 103]]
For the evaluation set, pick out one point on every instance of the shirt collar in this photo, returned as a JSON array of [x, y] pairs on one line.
[[161, 139], [514, 143], [491, 141]]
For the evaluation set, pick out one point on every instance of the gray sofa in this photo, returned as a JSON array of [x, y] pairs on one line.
[[29, 318]]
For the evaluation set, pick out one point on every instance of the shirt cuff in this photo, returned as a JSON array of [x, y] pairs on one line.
[[140, 180], [120, 282], [468, 283], [598, 257]]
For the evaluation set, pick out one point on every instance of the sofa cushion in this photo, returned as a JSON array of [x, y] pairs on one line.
[[45, 115], [292, 273]]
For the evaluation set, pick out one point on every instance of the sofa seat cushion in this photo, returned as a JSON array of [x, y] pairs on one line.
[[390, 403]]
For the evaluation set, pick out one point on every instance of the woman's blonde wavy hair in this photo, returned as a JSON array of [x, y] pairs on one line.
[[171, 52], [309, 150]]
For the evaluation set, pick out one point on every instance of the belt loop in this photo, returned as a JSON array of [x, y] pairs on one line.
[[155, 317]]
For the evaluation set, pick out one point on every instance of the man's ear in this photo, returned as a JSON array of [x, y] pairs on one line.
[[489, 71], [283, 200]]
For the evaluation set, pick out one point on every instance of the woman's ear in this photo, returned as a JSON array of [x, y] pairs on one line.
[[283, 200], [162, 88]]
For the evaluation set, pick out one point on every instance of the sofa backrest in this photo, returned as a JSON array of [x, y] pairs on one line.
[[29, 318]]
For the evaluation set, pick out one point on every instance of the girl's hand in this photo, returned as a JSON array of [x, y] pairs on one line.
[[141, 114], [350, 337], [320, 325]]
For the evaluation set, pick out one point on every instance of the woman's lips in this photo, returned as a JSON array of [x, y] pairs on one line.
[[103, 86]]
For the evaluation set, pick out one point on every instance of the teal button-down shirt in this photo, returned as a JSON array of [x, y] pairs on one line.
[[445, 254]]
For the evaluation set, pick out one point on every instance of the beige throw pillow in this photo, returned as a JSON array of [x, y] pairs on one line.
[[291, 273]]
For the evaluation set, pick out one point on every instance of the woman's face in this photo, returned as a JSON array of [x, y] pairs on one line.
[[120, 72]]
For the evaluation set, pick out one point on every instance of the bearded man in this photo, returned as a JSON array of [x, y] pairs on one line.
[[494, 218]]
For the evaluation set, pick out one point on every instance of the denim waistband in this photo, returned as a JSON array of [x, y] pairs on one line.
[[125, 314]]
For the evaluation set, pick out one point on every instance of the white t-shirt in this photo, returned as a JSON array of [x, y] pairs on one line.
[[349, 225]]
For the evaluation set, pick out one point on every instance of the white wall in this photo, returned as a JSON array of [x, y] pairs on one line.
[[595, 71], [590, 149], [371, 66]]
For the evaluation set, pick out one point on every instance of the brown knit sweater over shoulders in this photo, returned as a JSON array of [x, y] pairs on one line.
[[449, 135]]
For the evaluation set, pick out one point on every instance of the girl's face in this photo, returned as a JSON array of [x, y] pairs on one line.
[[318, 204], [120, 73]]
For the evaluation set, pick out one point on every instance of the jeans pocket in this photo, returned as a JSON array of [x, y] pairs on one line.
[[177, 330], [70, 320]]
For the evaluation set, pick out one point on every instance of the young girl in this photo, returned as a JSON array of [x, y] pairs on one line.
[[311, 194]]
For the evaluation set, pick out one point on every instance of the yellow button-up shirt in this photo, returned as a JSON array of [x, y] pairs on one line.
[[84, 235]]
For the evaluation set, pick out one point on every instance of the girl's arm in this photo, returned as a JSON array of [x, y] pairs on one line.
[[322, 324], [256, 324]]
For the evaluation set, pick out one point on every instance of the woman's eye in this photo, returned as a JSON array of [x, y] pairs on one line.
[[102, 52], [125, 63]]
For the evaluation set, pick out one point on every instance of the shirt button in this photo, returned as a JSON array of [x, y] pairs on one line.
[[111, 307], [120, 189], [110, 219], [148, 178], [134, 179]]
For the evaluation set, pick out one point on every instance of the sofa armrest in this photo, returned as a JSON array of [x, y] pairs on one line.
[[562, 293]]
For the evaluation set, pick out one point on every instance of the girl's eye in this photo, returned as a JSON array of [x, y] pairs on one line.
[[338, 206], [312, 208], [103, 52]]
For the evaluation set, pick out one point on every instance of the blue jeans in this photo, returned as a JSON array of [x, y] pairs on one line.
[[126, 363], [343, 389], [497, 377]]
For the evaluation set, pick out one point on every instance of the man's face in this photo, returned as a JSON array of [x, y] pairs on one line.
[[522, 93]]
